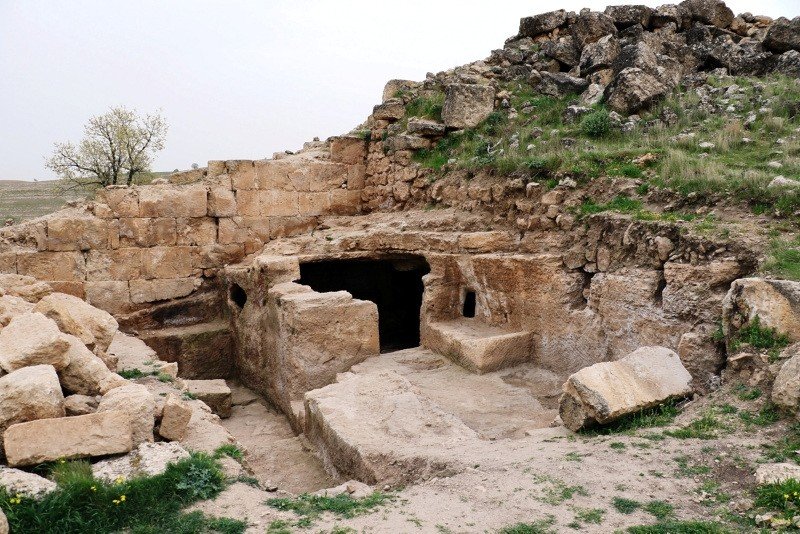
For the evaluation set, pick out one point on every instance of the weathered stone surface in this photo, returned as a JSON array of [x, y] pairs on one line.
[[93, 326], [143, 291], [391, 110], [28, 484], [701, 357], [560, 84], [3, 523], [11, 306], [138, 403], [544, 23], [599, 55], [783, 35], [80, 405], [590, 27], [775, 302], [30, 393], [786, 388], [713, 12], [205, 432], [148, 459], [221, 202], [479, 347], [24, 287], [625, 16], [633, 90], [606, 391], [466, 105], [173, 201], [86, 373], [777, 473], [32, 339], [394, 88], [46, 440], [203, 350], [563, 50], [174, 419], [425, 127], [215, 393], [378, 428]]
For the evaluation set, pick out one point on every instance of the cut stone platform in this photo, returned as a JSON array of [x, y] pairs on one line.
[[477, 346]]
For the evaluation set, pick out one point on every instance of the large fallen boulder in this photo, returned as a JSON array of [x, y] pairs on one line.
[[466, 105], [47, 440], [32, 339], [93, 326], [713, 12], [30, 393], [28, 484], [776, 303], [138, 403], [378, 428], [11, 306], [215, 393], [783, 35], [633, 90], [606, 391], [27, 288], [786, 388], [544, 23], [148, 459], [175, 417], [86, 373]]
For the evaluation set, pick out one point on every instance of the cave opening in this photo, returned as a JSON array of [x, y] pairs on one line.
[[393, 284]]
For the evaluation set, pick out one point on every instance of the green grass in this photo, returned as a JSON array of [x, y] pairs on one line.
[[783, 498], [784, 259], [310, 507], [426, 107], [746, 394], [766, 416], [142, 505], [229, 450], [618, 204], [706, 427], [625, 506], [658, 416], [784, 449], [659, 509], [541, 526], [681, 527], [590, 515]]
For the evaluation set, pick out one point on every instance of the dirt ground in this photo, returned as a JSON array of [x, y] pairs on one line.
[[565, 480]]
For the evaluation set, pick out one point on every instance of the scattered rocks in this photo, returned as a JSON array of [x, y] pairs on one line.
[[30, 393], [713, 12], [603, 392], [560, 84], [783, 182], [633, 90], [783, 35], [138, 403], [540, 24], [174, 419], [28, 484], [215, 393], [32, 339], [80, 405], [148, 459], [86, 373]]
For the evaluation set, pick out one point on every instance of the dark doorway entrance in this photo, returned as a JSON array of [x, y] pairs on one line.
[[393, 284]]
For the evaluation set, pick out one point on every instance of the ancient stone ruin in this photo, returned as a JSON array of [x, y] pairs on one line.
[[405, 320]]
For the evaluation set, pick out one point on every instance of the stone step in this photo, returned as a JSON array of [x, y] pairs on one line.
[[215, 393], [202, 351]]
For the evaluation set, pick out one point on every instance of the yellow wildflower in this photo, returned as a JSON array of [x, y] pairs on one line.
[[93, 488], [122, 498], [785, 496], [115, 501]]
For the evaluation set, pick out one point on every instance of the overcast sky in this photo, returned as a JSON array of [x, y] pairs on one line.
[[235, 79]]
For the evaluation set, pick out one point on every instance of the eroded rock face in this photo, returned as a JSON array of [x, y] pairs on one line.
[[215, 393], [27, 288], [47, 440], [93, 326], [713, 12], [139, 405], [543, 23], [466, 105], [632, 90], [775, 302], [603, 392], [32, 339], [786, 388], [28, 484], [30, 393], [783, 35], [80, 405], [11, 306]]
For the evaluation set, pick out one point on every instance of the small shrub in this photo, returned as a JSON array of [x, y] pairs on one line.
[[596, 124], [426, 107], [229, 450], [659, 509], [783, 498], [625, 506], [312, 506], [705, 427]]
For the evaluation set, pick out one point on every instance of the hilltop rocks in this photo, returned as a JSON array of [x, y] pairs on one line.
[[94, 327], [558, 83], [30, 393], [713, 12], [603, 392], [632, 90], [466, 105], [47, 440], [32, 339], [590, 27], [625, 16], [783, 35], [776, 303], [544, 23]]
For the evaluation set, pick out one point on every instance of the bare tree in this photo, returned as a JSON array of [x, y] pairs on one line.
[[116, 146]]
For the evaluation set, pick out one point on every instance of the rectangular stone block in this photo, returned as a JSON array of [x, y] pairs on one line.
[[118, 264], [111, 296], [77, 234], [289, 226], [314, 203], [196, 231], [47, 440], [348, 149], [242, 173], [272, 174], [345, 202], [52, 266], [121, 201], [215, 393], [155, 290], [166, 262], [202, 351], [216, 256], [147, 232], [280, 203], [173, 201], [248, 202], [221, 202]]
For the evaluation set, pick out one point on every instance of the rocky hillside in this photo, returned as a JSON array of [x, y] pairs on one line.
[[685, 113]]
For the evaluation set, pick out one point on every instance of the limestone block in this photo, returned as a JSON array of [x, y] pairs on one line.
[[345, 202], [775, 302], [215, 393], [148, 459], [392, 110], [52, 266], [202, 350], [147, 232], [217, 256], [196, 231], [166, 262], [28, 484], [242, 173], [111, 296], [86, 373], [786, 388], [136, 401], [3, 523], [122, 201], [173, 201], [606, 391], [248, 202], [154, 290], [93, 326], [25, 287], [117, 264], [30, 393], [314, 203], [478, 347], [633, 90], [349, 149], [466, 105], [174, 419], [713, 12], [47, 440], [379, 429], [11, 306], [72, 233], [205, 432], [394, 87], [32, 339], [777, 473], [80, 405], [221, 202], [273, 174], [290, 226], [280, 203]]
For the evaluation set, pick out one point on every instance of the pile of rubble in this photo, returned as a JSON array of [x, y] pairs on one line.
[[60, 397]]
